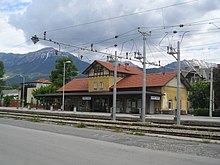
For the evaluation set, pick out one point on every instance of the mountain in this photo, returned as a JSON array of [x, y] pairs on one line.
[[34, 65], [186, 65], [129, 63], [167, 68]]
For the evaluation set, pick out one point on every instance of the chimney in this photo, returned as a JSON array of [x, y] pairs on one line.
[[126, 66]]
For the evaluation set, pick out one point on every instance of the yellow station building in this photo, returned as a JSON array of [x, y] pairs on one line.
[[95, 92]]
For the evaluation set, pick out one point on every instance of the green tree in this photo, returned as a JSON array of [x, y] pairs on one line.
[[57, 74], [2, 82], [44, 89], [199, 95], [7, 100], [216, 86]]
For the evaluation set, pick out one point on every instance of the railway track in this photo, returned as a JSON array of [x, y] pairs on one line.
[[129, 125]]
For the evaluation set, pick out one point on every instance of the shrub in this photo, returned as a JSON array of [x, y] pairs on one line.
[[205, 112], [201, 112], [81, 125], [7, 100], [216, 113]]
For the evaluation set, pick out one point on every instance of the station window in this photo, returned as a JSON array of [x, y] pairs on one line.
[[95, 86], [170, 104], [101, 85]]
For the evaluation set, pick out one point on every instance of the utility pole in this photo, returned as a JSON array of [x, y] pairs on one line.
[[178, 85], [172, 51], [211, 93], [144, 81], [115, 88]]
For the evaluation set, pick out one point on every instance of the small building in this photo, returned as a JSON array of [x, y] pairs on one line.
[[14, 94], [95, 93], [11, 92], [29, 87]]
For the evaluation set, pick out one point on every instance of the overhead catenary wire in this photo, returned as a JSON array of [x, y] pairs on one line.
[[114, 44], [117, 37], [36, 38], [103, 53], [155, 29], [123, 35], [200, 22], [130, 59], [159, 29], [141, 12], [121, 16], [108, 39], [188, 34]]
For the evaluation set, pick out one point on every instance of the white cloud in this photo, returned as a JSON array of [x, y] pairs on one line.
[[46, 15], [12, 38]]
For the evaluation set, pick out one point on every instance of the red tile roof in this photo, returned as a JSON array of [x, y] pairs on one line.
[[78, 84], [153, 80], [133, 81], [43, 80], [121, 68]]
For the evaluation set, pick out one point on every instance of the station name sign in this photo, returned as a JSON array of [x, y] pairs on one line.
[[86, 98], [155, 98]]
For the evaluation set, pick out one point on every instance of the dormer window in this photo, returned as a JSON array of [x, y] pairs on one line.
[[98, 71]]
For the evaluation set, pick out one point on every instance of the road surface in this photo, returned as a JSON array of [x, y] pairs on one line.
[[27, 146]]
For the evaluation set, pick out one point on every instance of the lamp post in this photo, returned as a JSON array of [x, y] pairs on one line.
[[23, 93], [64, 76]]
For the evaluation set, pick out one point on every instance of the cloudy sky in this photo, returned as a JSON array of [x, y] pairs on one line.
[[113, 25]]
